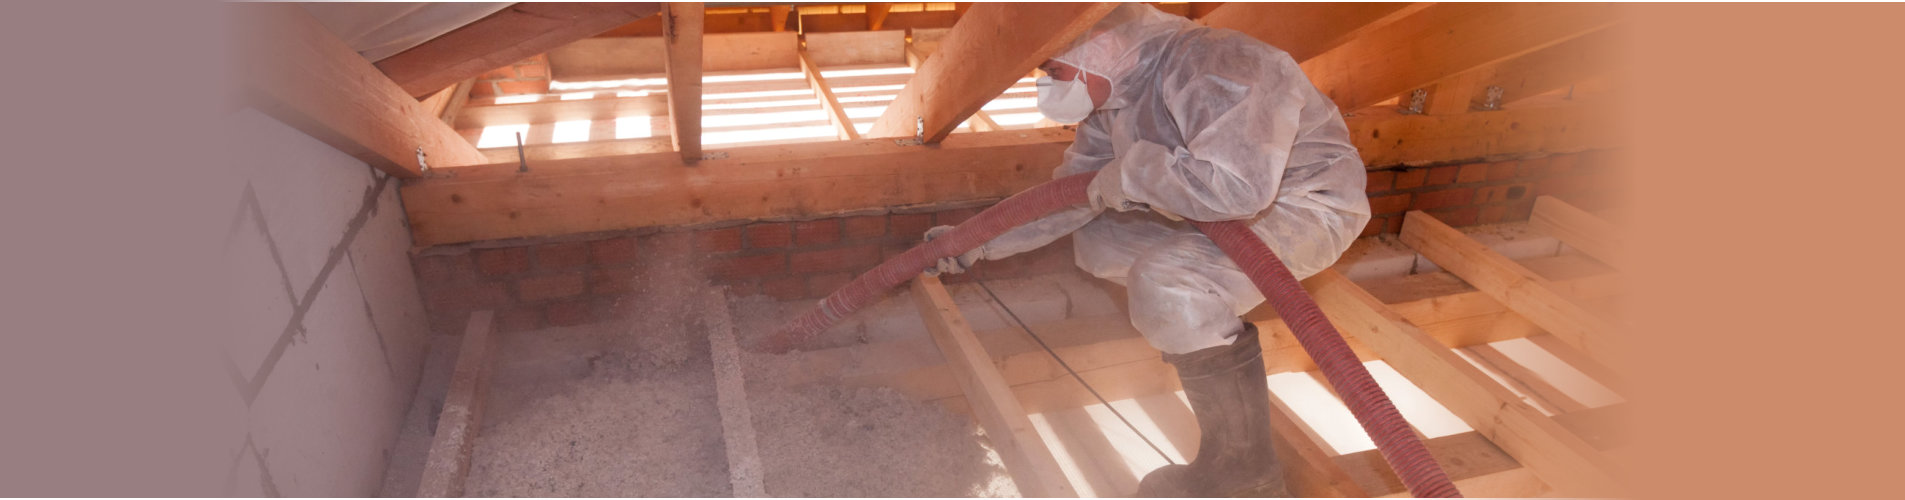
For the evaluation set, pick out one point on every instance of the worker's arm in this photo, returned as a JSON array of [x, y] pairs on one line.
[[1090, 151], [1235, 126]]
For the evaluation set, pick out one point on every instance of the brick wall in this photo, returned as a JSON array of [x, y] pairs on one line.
[[590, 278], [528, 76]]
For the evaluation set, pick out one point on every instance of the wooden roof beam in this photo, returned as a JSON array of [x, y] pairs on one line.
[[1555, 454], [1024, 453], [513, 34], [681, 36], [295, 70], [978, 60], [1387, 137], [1443, 40], [1528, 75], [1516, 287], [1306, 29]]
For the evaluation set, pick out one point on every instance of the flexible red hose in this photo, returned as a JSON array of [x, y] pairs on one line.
[[1372, 408]]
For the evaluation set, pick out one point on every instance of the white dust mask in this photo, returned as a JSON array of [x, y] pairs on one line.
[[1064, 101]]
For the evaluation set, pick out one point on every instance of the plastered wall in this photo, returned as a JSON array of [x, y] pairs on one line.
[[325, 331]]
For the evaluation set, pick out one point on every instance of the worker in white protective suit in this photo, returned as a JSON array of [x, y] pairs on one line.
[[1187, 122]]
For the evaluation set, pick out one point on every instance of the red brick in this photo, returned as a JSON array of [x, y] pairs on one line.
[[748, 266], [1443, 199], [785, 287], [444, 268], [863, 227], [464, 298], [502, 261], [853, 258], [1380, 181], [817, 232], [954, 217], [613, 251], [910, 227], [532, 70], [1464, 216], [1531, 169], [518, 319], [1441, 175], [1506, 192], [1493, 214], [770, 235], [718, 240], [611, 281], [1395, 203], [559, 256], [483, 89], [1502, 170], [820, 285], [570, 313], [1375, 227], [1393, 226], [1476, 172], [1412, 178], [523, 86], [555, 286]]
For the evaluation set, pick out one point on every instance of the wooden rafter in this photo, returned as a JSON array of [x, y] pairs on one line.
[[681, 34], [1443, 40], [295, 70], [810, 179], [1578, 229], [1516, 287], [449, 459], [1562, 459], [1528, 75], [981, 122], [513, 34], [824, 92], [1008, 429], [977, 61], [1306, 29]]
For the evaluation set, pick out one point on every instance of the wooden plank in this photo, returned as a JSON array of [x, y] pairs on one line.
[[1531, 74], [1539, 392], [835, 114], [852, 48], [462, 417], [681, 34], [805, 180], [1305, 29], [295, 70], [1307, 468], [1025, 456], [625, 57], [538, 153], [1593, 369], [439, 101], [876, 15], [745, 472], [1577, 229], [512, 34], [1443, 40], [1516, 287], [1552, 452], [1386, 137], [1479, 468], [978, 60], [980, 122], [777, 16]]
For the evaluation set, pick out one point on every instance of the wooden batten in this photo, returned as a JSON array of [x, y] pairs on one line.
[[681, 36], [1578, 229]]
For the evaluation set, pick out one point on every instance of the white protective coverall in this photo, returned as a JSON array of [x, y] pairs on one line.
[[1209, 125]]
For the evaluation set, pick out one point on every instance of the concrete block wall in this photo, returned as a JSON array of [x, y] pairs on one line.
[[326, 329]]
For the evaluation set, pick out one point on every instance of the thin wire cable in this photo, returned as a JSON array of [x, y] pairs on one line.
[[1068, 369]]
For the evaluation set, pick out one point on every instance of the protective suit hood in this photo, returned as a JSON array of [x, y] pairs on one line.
[[1110, 47]]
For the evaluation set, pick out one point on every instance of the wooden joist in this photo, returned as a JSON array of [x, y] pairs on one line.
[[1307, 468], [1386, 137], [1578, 229], [681, 36], [993, 46], [1019, 446], [794, 180], [512, 34], [1516, 287], [824, 92], [1306, 29], [449, 460], [292, 68], [1552, 452], [1443, 40]]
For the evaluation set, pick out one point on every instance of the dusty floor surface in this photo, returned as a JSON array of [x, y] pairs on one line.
[[828, 441]]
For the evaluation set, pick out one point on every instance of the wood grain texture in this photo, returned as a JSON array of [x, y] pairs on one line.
[[512, 34], [681, 36], [1577, 228]]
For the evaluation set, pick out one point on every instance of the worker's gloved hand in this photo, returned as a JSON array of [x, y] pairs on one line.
[[954, 264], [1106, 191]]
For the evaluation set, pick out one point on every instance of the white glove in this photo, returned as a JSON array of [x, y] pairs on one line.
[[954, 264], [1106, 191]]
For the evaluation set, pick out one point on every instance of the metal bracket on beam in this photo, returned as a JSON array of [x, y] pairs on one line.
[[1418, 98], [1491, 98], [423, 160]]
